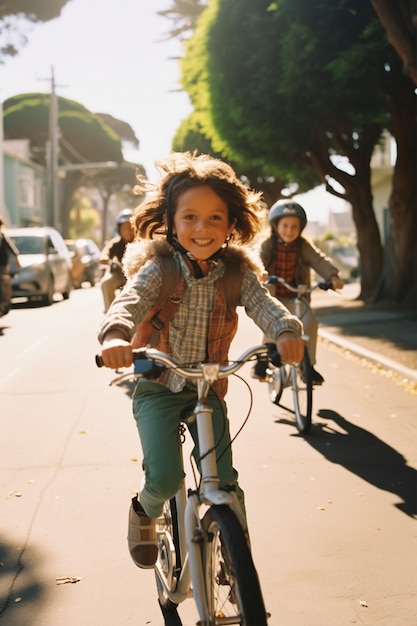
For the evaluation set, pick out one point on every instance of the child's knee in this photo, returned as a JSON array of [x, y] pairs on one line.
[[165, 487]]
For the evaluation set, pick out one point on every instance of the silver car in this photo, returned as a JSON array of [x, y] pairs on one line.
[[45, 264]]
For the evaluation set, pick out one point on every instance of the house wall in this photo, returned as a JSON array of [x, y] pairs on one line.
[[24, 191]]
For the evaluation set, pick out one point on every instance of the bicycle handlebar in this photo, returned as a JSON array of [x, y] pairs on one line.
[[325, 285], [153, 359]]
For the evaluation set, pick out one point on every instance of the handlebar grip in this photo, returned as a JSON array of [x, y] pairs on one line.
[[273, 355], [325, 285]]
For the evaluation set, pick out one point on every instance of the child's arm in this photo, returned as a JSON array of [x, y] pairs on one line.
[[117, 350], [321, 263]]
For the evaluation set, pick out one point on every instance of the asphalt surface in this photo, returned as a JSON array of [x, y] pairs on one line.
[[383, 336]]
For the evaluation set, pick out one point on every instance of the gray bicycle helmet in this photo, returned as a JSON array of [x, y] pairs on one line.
[[285, 208], [124, 216]]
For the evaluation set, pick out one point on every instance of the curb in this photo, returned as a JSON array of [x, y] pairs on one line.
[[368, 354]]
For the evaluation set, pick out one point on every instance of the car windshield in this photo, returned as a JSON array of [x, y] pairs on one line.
[[29, 245]]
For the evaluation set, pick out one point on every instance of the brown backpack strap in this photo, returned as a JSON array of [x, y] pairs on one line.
[[172, 288]]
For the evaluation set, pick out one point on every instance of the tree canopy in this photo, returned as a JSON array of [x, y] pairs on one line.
[[11, 14], [292, 84], [84, 137]]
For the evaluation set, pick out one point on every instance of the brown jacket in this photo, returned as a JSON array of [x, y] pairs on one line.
[[308, 257]]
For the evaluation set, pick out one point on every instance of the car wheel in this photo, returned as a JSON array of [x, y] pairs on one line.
[[67, 292], [48, 296]]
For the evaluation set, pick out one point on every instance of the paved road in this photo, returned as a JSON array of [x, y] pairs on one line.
[[331, 517], [385, 335]]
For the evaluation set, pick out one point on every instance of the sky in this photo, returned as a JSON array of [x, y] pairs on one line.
[[116, 58], [111, 57]]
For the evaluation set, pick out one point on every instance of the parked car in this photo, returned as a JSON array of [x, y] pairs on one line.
[[45, 264], [85, 255]]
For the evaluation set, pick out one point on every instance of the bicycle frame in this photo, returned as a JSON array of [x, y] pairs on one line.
[[189, 518], [195, 578]]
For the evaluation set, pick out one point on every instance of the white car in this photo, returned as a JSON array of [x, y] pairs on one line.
[[45, 264]]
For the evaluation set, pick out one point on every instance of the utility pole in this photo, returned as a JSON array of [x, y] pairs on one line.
[[52, 154], [2, 195]]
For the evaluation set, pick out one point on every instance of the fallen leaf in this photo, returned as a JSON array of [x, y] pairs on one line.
[[62, 580]]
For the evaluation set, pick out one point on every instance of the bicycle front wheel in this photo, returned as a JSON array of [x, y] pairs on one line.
[[233, 591], [277, 381], [302, 386]]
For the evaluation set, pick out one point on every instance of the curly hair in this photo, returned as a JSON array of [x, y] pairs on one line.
[[184, 170]]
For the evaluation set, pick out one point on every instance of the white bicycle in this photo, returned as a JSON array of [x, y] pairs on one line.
[[202, 534], [298, 378]]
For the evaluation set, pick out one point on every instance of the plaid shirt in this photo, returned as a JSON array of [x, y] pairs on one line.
[[285, 264], [189, 328]]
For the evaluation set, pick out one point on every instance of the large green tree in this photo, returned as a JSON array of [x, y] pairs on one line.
[[292, 83]]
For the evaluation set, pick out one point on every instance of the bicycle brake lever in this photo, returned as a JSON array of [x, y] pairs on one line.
[[272, 280]]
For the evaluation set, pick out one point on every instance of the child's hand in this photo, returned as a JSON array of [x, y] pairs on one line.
[[290, 347], [116, 353], [337, 283]]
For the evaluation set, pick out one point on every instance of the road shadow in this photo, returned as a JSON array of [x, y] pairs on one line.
[[364, 454], [21, 591], [2, 329], [29, 303], [128, 386]]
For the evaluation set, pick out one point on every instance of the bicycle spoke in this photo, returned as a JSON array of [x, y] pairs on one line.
[[233, 592]]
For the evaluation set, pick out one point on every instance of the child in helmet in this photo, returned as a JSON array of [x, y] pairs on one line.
[[286, 253], [199, 208], [112, 255]]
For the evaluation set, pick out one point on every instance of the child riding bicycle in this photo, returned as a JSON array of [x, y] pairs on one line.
[[111, 256], [198, 209], [286, 253]]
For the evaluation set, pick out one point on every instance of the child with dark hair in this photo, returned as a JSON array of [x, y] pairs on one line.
[[199, 215]]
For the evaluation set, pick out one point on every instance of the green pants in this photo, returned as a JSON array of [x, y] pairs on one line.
[[158, 413]]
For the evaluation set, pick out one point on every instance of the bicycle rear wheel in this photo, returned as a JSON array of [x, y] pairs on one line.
[[233, 591], [168, 566], [302, 387]]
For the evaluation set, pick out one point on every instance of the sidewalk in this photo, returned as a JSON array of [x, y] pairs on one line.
[[380, 334]]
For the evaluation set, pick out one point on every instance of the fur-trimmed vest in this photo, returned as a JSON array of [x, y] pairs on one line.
[[223, 319]]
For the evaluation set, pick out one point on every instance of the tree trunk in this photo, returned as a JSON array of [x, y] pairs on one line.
[[368, 237], [400, 275], [357, 191], [400, 22]]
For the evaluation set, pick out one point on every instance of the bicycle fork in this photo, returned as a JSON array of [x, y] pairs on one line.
[[209, 495]]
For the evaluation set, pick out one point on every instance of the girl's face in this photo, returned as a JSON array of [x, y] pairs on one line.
[[289, 228], [201, 221], [126, 231]]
